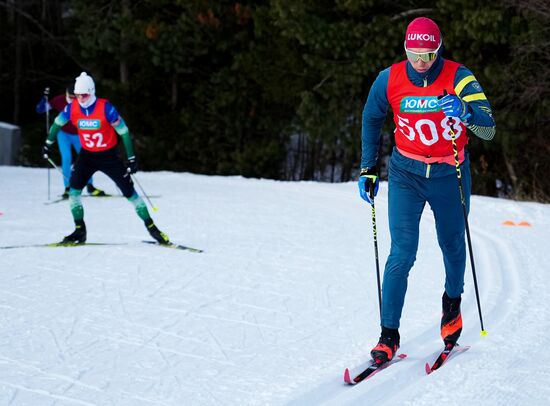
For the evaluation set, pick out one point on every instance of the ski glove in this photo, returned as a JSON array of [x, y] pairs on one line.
[[43, 106], [453, 106], [132, 165], [368, 184]]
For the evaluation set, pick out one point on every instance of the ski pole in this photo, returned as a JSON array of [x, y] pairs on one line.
[[373, 214], [463, 201], [46, 93], [134, 178], [56, 167]]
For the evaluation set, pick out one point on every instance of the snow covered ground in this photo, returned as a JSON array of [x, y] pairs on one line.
[[281, 301]]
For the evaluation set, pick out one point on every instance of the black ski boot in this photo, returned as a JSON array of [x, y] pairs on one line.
[[78, 236], [158, 235], [387, 346], [451, 319], [65, 194], [93, 191]]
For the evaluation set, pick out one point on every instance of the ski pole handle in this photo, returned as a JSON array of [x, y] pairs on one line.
[[46, 94], [371, 191]]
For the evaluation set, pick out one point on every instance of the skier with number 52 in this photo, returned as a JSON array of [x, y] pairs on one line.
[[67, 137], [98, 124], [431, 98]]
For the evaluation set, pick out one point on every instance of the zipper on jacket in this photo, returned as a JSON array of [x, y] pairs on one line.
[[428, 170], [426, 81]]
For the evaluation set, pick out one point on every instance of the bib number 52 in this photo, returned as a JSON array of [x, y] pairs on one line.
[[94, 140]]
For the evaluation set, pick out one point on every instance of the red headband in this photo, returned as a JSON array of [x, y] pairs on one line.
[[422, 33]]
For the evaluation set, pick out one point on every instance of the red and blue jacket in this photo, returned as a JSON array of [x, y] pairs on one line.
[[94, 128], [411, 96]]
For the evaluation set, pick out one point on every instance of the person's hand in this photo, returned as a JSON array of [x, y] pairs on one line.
[[132, 165], [453, 106], [42, 105], [368, 184], [45, 151]]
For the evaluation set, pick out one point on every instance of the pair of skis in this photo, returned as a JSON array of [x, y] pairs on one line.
[[373, 367], [72, 244]]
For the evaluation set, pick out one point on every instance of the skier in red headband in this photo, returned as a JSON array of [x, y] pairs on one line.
[[428, 94]]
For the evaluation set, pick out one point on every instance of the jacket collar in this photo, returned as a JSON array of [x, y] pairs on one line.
[[88, 110], [431, 75]]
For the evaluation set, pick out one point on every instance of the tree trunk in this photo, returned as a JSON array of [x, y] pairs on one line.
[[18, 67], [124, 45], [511, 173], [43, 11], [174, 98]]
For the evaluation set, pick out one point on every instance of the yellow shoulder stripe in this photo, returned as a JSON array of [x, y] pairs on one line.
[[485, 109], [462, 84], [474, 97]]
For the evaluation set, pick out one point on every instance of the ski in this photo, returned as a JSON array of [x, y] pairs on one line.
[[372, 369], [61, 199], [59, 244], [174, 246], [72, 244], [449, 350]]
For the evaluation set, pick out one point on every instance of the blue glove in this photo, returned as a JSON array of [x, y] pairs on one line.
[[43, 106], [368, 184], [453, 106]]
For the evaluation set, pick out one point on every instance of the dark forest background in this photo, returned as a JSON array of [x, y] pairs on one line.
[[275, 88]]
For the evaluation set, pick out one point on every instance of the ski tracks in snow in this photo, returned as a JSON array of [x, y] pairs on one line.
[[514, 292], [508, 272], [281, 295]]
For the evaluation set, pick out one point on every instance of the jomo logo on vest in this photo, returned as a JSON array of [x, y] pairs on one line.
[[89, 124], [419, 104]]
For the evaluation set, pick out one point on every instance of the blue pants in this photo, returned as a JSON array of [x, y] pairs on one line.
[[407, 196], [65, 140]]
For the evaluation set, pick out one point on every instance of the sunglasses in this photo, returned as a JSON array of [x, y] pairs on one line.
[[423, 56]]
